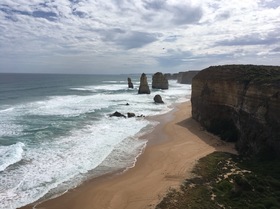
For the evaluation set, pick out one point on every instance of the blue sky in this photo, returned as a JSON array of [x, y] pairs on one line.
[[126, 36]]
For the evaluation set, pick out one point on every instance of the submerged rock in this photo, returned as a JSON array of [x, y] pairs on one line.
[[144, 87]]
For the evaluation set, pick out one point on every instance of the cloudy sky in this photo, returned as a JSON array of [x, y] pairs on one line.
[[134, 36]]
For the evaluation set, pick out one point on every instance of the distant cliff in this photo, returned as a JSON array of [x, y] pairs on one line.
[[186, 77], [170, 76], [182, 77], [240, 103]]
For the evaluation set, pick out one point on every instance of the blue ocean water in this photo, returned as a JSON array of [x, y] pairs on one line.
[[55, 130]]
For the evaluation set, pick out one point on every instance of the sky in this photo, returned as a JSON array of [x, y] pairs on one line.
[[135, 36]]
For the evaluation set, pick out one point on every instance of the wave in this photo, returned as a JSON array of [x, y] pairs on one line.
[[69, 136], [64, 158], [115, 87], [101, 88], [114, 82], [83, 89], [25, 89], [6, 109], [9, 128], [10, 155]]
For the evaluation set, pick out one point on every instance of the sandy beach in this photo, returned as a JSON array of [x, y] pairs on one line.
[[173, 149]]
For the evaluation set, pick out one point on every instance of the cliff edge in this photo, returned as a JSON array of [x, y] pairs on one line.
[[240, 103]]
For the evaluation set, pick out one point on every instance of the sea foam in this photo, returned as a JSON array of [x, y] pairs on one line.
[[66, 139], [10, 155]]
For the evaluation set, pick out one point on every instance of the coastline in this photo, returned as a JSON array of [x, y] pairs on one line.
[[173, 148]]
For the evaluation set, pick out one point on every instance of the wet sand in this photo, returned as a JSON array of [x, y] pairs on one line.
[[174, 147]]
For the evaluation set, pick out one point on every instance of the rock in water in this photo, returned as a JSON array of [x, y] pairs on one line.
[[158, 99], [144, 87], [130, 84], [240, 103], [159, 81], [117, 114], [130, 114]]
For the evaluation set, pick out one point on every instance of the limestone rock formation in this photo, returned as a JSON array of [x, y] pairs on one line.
[[186, 77], [240, 103], [158, 99], [159, 81], [130, 84], [144, 87]]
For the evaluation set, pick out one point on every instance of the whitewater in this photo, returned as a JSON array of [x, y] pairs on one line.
[[55, 130]]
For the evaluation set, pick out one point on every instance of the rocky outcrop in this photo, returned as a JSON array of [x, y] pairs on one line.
[[159, 81], [186, 77], [240, 103], [144, 87], [130, 84], [158, 99], [117, 114], [130, 114]]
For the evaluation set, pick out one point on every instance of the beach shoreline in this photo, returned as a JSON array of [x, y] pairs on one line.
[[173, 148]]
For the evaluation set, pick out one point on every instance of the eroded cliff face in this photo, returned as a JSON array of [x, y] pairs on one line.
[[240, 103]]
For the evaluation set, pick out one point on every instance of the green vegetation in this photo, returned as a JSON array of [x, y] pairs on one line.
[[224, 180], [252, 73]]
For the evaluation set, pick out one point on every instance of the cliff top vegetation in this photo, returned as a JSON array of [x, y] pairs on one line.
[[245, 73]]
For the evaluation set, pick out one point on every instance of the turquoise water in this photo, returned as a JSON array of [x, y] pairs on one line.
[[55, 130]]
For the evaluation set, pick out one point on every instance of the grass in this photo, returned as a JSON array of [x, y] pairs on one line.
[[224, 180]]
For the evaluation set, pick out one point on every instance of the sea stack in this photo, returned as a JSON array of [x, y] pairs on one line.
[[158, 99], [130, 84], [144, 87], [159, 81]]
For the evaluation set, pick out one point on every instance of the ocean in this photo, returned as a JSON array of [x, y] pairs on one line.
[[55, 130]]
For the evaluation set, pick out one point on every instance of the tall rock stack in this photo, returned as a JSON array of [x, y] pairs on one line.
[[159, 81], [144, 87], [130, 84]]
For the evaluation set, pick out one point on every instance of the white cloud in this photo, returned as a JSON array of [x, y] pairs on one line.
[[147, 35]]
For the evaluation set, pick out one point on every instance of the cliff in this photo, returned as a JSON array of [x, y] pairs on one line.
[[186, 77], [240, 103]]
